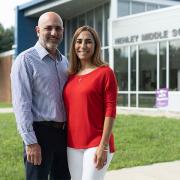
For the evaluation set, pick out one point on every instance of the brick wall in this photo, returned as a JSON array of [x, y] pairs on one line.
[[5, 69]]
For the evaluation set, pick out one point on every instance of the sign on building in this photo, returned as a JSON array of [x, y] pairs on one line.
[[161, 97]]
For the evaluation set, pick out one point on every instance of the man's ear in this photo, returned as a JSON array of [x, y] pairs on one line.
[[37, 30]]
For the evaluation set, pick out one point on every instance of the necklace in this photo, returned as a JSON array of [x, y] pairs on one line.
[[79, 80]]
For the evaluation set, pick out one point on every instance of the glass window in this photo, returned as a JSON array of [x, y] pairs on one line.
[[68, 38], [147, 100], [106, 55], [106, 13], [121, 67], [138, 7], [162, 65], [133, 68], [152, 7], [74, 25], [90, 18], [123, 8], [163, 6], [174, 65], [81, 20], [95, 19], [147, 67], [133, 100], [98, 21], [122, 100]]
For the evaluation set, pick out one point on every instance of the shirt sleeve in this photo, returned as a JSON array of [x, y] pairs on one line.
[[110, 94], [21, 87]]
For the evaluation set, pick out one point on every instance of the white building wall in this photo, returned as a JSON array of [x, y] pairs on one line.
[[174, 101], [165, 22]]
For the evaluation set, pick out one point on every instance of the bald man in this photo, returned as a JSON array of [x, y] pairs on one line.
[[38, 76]]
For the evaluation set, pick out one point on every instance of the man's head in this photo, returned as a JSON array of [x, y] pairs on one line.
[[50, 31]]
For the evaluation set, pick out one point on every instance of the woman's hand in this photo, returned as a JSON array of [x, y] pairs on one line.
[[100, 157]]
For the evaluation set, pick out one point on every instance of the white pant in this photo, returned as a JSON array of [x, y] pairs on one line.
[[81, 164]]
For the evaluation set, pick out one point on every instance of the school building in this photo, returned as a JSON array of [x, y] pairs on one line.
[[140, 41]]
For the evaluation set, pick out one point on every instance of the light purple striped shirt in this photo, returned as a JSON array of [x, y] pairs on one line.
[[37, 83]]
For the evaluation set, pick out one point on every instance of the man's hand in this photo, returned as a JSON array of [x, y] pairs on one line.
[[33, 152]]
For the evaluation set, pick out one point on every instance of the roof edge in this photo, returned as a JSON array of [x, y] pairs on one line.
[[30, 4]]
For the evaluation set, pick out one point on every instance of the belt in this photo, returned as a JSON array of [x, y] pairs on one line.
[[54, 124]]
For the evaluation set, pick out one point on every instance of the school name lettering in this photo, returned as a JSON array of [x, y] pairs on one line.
[[148, 36]]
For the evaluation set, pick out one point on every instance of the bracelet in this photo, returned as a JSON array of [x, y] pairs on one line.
[[105, 146], [106, 150]]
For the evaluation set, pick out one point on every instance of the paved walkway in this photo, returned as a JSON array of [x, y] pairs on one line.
[[6, 110], [132, 111], [160, 171], [149, 112]]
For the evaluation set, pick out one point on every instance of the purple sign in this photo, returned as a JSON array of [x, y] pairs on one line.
[[162, 97]]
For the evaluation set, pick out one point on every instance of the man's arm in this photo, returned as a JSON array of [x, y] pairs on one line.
[[21, 87]]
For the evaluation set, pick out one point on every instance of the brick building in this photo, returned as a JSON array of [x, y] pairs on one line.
[[6, 59]]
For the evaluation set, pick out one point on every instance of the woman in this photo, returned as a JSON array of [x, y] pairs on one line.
[[90, 100]]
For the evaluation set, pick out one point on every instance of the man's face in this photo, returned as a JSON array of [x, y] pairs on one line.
[[50, 33]]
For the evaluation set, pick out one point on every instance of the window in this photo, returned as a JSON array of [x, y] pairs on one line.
[[174, 65], [137, 7], [96, 18], [133, 68], [147, 100], [162, 65], [151, 7], [74, 25], [147, 67], [163, 6], [121, 67], [106, 55], [133, 100], [122, 100], [98, 21], [68, 34], [81, 20], [90, 18], [123, 8], [106, 14]]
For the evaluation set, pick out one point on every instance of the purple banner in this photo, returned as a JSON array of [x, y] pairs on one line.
[[162, 97]]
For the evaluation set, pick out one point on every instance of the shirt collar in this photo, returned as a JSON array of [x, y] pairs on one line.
[[43, 52]]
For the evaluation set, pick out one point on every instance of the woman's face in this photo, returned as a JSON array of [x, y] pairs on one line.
[[84, 46]]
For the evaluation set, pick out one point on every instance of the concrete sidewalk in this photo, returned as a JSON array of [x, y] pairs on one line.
[[160, 171], [6, 110], [132, 111]]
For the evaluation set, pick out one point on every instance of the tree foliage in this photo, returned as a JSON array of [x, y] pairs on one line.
[[6, 38]]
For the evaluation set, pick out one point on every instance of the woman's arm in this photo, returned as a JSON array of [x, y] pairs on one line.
[[101, 153]]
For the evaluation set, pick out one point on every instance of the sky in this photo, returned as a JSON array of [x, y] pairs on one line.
[[7, 11]]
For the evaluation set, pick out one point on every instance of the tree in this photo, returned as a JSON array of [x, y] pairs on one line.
[[6, 38]]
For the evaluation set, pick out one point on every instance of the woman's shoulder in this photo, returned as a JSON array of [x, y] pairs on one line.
[[106, 69]]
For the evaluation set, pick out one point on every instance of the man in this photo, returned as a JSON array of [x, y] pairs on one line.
[[38, 76]]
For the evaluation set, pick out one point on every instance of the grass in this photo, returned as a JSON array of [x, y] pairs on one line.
[[5, 105], [11, 157], [144, 140], [139, 140]]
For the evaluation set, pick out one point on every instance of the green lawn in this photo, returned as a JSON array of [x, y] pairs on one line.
[[139, 140], [5, 105], [11, 161], [144, 140]]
